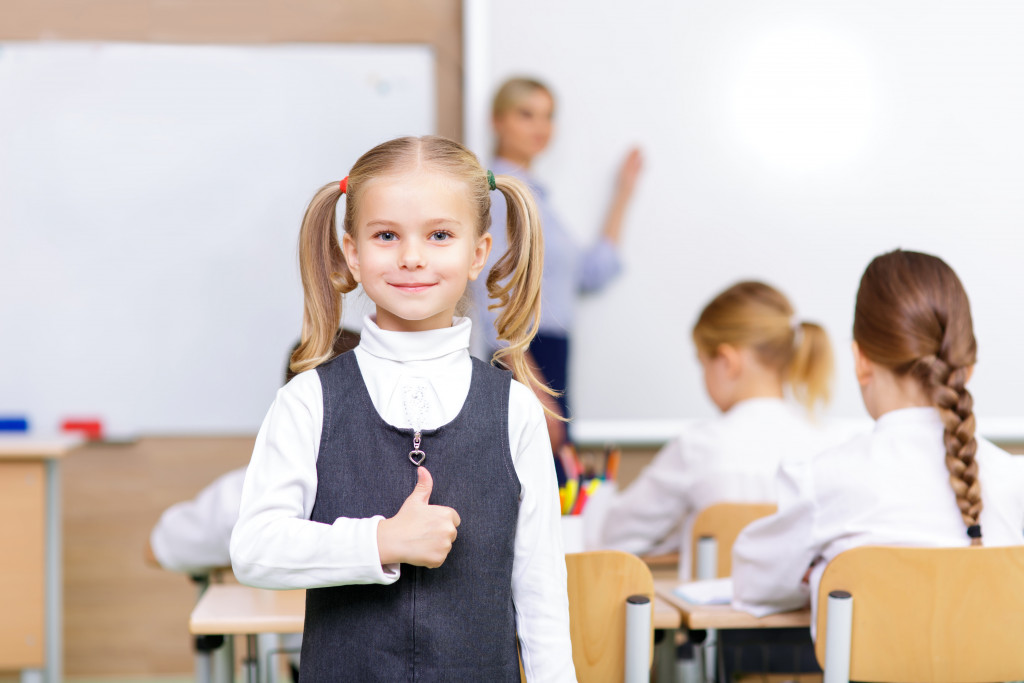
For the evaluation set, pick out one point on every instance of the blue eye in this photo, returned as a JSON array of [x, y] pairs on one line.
[[440, 235], [386, 236]]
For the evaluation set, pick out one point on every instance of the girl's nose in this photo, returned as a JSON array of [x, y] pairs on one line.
[[412, 255]]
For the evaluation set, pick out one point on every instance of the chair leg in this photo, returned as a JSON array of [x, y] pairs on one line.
[[639, 614], [839, 627], [268, 645], [224, 661], [252, 659]]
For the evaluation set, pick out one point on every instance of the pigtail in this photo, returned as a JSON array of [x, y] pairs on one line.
[[515, 281], [810, 372], [325, 277], [947, 385]]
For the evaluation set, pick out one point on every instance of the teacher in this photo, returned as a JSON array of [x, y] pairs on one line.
[[523, 119]]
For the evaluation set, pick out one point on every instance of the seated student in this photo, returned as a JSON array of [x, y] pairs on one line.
[[920, 478], [751, 347], [192, 536]]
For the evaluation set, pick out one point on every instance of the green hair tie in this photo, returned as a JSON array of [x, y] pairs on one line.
[[490, 181]]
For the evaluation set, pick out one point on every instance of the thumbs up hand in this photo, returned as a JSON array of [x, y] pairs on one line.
[[420, 533]]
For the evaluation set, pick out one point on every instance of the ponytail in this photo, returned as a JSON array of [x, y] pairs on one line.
[[810, 371], [913, 317], [515, 281], [325, 277]]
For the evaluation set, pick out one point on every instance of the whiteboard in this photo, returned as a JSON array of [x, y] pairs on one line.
[[150, 202], [785, 141]]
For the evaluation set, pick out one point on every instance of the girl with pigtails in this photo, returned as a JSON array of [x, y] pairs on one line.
[[407, 486], [752, 348], [922, 477]]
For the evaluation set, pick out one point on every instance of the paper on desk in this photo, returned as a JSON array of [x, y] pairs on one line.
[[707, 592]]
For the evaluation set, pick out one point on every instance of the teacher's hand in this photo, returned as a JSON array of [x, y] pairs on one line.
[[630, 171]]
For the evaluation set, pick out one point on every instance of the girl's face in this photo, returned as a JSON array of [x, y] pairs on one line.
[[525, 130], [415, 248]]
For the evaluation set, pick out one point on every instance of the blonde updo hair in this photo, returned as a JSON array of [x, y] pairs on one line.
[[515, 90], [759, 317]]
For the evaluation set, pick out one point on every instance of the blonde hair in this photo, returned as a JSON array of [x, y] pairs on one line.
[[757, 316], [913, 317], [513, 91], [514, 280]]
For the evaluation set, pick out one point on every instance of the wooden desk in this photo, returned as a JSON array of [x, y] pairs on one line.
[[31, 589], [233, 609], [236, 609], [702, 617]]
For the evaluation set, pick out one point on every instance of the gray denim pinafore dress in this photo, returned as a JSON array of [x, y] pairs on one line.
[[453, 623]]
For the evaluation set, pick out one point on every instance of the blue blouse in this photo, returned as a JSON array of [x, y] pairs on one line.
[[569, 270]]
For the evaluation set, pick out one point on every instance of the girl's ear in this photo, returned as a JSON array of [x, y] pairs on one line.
[[731, 359], [480, 255], [348, 248], [863, 367]]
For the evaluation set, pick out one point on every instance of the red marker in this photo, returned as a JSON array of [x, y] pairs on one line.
[[91, 429]]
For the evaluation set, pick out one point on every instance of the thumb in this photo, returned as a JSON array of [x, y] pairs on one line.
[[424, 486]]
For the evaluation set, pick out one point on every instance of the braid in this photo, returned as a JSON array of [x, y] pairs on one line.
[[947, 385]]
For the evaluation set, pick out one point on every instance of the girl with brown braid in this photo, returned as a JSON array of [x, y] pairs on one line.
[[408, 487], [922, 477]]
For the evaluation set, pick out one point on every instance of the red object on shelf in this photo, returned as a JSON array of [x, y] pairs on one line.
[[90, 429]]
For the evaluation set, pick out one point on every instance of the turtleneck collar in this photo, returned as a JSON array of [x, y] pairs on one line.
[[415, 346]]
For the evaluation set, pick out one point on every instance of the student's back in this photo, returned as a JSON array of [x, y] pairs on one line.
[[729, 458], [887, 487]]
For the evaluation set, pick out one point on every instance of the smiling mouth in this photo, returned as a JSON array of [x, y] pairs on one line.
[[412, 286]]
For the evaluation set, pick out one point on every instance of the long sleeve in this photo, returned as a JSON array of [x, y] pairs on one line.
[[598, 266], [771, 556], [652, 507], [192, 536], [274, 544], [538, 574]]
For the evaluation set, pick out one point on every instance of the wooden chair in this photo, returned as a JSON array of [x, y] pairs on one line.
[[599, 583], [721, 522], [922, 614]]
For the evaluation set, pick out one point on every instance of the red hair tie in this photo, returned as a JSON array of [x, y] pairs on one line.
[[343, 184]]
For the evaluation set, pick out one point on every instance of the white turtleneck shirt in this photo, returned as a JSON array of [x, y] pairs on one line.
[[275, 545]]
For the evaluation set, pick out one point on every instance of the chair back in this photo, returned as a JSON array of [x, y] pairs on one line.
[[599, 583], [724, 522], [927, 614]]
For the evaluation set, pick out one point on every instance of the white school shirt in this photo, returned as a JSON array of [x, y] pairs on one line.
[[887, 487], [275, 545], [192, 536], [730, 458]]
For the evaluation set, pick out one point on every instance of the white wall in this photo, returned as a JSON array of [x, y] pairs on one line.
[[150, 201], [785, 141]]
